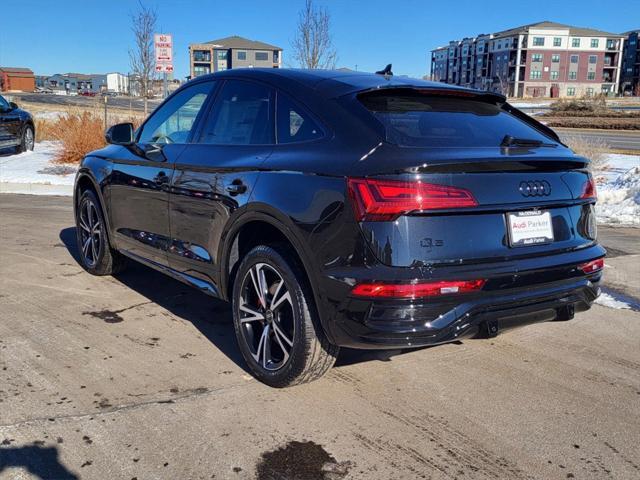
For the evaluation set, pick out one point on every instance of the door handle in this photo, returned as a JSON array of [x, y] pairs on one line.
[[236, 187]]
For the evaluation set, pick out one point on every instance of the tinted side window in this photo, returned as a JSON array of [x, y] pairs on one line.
[[173, 122], [294, 123], [241, 115]]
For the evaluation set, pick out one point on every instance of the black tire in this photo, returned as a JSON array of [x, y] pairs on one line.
[[101, 260], [27, 139], [310, 355]]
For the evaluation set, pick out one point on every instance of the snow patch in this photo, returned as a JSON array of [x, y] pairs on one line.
[[607, 300], [22, 172], [619, 191], [50, 115]]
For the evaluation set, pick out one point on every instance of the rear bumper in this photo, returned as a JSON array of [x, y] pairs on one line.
[[374, 323]]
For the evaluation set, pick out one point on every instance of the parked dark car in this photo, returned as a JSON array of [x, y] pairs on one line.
[[17, 129], [345, 209]]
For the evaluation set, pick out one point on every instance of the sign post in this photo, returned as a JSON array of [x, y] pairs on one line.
[[163, 47]]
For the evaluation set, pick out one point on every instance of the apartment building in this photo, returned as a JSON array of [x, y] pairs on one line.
[[544, 59], [630, 74], [232, 52]]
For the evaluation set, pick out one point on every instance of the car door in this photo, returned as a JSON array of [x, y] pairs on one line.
[[216, 173], [9, 124], [139, 187]]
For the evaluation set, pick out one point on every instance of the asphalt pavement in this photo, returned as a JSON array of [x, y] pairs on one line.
[[138, 376], [616, 139]]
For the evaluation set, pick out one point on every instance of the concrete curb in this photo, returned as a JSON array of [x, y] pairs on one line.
[[36, 188]]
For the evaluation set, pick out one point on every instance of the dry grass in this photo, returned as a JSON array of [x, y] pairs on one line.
[[79, 132], [604, 123], [594, 149]]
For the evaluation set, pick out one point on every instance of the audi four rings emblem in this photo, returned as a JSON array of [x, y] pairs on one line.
[[535, 188]]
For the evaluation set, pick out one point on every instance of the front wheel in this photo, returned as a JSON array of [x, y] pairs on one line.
[[276, 321], [96, 255], [27, 141]]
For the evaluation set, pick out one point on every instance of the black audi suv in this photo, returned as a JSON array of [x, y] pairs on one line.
[[17, 130], [345, 209]]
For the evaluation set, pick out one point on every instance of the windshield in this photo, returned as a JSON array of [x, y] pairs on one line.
[[414, 119]]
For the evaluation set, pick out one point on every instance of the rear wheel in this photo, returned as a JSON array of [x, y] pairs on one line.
[[27, 141], [96, 255], [276, 322]]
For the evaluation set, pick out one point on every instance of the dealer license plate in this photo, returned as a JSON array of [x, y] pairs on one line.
[[531, 227]]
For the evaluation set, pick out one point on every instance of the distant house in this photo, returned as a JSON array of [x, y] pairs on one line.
[[75, 83], [17, 79], [117, 82], [232, 52]]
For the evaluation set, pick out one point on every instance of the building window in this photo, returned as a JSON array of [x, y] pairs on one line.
[[594, 43], [221, 54], [589, 92], [555, 58], [276, 55], [535, 74], [554, 74], [557, 41], [591, 75], [538, 41], [571, 91], [593, 59], [575, 42], [573, 75], [574, 58], [242, 55], [262, 56], [201, 70], [201, 56], [536, 57]]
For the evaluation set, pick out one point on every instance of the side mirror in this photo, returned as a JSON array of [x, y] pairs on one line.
[[13, 105], [120, 134]]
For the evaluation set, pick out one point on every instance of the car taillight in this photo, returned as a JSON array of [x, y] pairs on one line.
[[415, 290], [589, 189], [384, 200], [593, 266]]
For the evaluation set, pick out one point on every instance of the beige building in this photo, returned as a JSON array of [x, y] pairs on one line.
[[232, 52]]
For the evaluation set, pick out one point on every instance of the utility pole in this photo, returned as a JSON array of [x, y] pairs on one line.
[[106, 99]]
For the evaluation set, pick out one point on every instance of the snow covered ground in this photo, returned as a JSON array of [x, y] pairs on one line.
[[34, 173], [619, 191]]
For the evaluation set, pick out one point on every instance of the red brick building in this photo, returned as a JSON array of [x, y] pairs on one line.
[[544, 59], [17, 79]]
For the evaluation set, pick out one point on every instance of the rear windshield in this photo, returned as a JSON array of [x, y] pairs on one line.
[[413, 119]]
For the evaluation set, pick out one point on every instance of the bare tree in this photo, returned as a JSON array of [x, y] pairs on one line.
[[143, 26], [312, 45]]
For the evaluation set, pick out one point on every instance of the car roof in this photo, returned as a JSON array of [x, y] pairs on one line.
[[331, 83]]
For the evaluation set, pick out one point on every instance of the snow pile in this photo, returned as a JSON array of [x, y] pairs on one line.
[[619, 191], [607, 300], [33, 172], [48, 115]]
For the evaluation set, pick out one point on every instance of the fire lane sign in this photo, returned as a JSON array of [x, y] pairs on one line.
[[163, 47]]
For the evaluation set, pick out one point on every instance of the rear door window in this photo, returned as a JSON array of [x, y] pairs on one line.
[[242, 115], [415, 119]]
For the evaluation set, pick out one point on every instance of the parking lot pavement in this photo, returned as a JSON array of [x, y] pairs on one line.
[[139, 377]]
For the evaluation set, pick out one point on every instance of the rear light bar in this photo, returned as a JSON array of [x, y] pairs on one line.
[[385, 200], [416, 290], [589, 189], [593, 266]]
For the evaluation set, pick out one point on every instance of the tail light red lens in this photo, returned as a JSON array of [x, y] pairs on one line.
[[593, 266], [416, 290], [385, 200], [589, 189]]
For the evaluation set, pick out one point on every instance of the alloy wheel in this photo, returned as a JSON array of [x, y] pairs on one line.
[[90, 233], [266, 315], [28, 139]]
